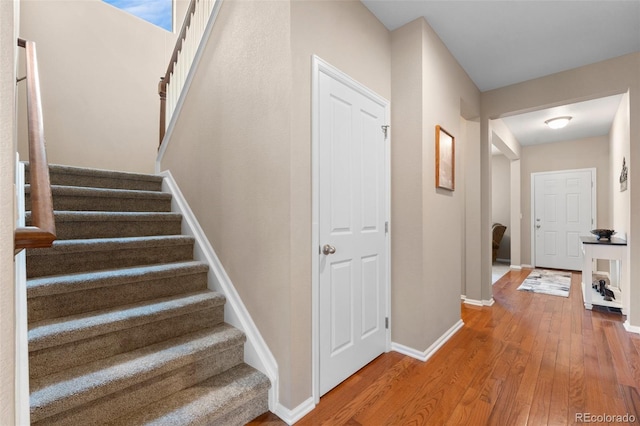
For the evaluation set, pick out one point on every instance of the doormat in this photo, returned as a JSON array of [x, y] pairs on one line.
[[555, 283]]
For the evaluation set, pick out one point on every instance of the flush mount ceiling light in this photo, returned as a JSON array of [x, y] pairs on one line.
[[558, 122]]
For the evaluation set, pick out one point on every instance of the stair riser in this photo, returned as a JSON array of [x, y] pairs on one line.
[[58, 358], [78, 302], [97, 203], [116, 229], [99, 179], [140, 394], [69, 263]]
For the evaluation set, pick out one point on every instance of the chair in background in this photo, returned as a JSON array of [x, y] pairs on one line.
[[497, 230]]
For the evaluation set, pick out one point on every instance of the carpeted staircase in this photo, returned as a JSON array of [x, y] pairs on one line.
[[122, 327]]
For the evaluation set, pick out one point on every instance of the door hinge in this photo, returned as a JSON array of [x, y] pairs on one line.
[[385, 130], [386, 322], [386, 227]]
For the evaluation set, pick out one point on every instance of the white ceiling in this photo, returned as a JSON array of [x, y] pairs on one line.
[[499, 43], [589, 118], [504, 42]]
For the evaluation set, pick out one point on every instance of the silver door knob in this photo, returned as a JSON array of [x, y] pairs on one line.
[[328, 249]]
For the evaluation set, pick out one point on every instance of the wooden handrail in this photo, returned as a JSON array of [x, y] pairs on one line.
[[164, 81], [42, 231]]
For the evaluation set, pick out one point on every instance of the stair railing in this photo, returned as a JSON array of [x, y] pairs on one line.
[[197, 24], [42, 231]]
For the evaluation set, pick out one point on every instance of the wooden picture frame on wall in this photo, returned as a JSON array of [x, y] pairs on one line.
[[445, 159]]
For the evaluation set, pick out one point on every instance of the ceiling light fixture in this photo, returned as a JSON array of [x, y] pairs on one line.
[[558, 122]]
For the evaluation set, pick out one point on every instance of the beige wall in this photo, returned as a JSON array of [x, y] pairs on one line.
[[7, 209], [241, 152], [99, 70], [230, 154], [245, 130], [470, 174], [619, 149], [619, 202], [501, 200], [569, 155], [428, 88]]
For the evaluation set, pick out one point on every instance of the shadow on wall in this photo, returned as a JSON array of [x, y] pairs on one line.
[[504, 251]]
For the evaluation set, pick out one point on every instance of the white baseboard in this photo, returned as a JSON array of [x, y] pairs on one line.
[[292, 416], [475, 302], [425, 355], [515, 267], [631, 328], [256, 351], [527, 266]]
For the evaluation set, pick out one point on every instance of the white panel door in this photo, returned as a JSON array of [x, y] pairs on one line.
[[562, 213], [353, 258]]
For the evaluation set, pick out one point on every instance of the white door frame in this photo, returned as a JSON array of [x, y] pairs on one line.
[[320, 66], [594, 211]]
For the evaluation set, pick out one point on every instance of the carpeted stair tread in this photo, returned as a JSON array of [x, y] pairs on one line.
[[48, 333], [76, 386], [80, 176], [122, 325], [111, 224], [220, 400], [72, 256], [104, 199], [112, 216], [58, 284], [102, 244], [63, 295], [102, 192]]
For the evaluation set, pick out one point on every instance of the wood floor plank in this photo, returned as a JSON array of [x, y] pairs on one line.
[[576, 377], [559, 403], [529, 359], [619, 362], [422, 399]]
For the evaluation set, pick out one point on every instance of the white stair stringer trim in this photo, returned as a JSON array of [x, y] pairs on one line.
[[256, 351], [22, 406], [425, 355], [187, 84]]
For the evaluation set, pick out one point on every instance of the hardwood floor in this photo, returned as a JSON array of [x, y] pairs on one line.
[[530, 359]]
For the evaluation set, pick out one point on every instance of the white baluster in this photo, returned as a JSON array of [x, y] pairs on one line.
[[185, 58]]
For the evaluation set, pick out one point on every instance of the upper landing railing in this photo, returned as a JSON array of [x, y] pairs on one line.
[[197, 23], [42, 232]]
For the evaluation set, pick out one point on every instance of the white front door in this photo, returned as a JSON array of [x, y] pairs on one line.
[[352, 237], [563, 211]]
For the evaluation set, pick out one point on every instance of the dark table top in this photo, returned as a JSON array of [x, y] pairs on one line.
[[614, 241]]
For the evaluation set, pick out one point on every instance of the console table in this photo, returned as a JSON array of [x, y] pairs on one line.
[[615, 250]]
